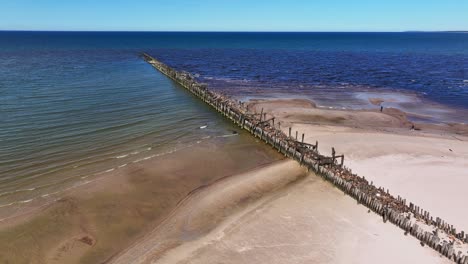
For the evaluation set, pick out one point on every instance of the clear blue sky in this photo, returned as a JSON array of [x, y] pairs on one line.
[[234, 15]]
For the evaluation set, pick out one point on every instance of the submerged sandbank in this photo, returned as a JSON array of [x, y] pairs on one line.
[[92, 223]]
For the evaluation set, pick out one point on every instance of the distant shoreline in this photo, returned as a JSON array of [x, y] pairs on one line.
[[202, 31]]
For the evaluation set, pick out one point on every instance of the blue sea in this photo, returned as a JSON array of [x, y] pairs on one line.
[[75, 104]]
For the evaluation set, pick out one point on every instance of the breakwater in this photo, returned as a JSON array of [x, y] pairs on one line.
[[434, 232]]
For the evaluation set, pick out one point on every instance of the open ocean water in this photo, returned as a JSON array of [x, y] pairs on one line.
[[76, 104]]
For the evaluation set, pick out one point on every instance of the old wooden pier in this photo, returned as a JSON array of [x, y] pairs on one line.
[[433, 232]]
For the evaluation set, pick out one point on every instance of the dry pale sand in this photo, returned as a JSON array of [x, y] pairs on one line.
[[307, 221], [197, 206], [275, 215], [206, 208], [427, 166]]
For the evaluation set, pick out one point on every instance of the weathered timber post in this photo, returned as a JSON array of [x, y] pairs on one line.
[[390, 208], [333, 155]]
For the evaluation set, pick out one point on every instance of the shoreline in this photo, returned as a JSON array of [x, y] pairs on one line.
[[269, 209], [94, 222], [207, 207], [82, 226], [376, 198]]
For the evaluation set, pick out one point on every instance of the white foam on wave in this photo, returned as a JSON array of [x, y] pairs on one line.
[[149, 157], [89, 181], [122, 156], [17, 191], [5, 205], [18, 202], [53, 193], [228, 135]]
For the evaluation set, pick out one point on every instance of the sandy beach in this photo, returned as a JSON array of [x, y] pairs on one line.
[[426, 165], [242, 202], [94, 222], [275, 215], [310, 222]]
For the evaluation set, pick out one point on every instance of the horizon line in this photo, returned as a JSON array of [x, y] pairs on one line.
[[231, 31]]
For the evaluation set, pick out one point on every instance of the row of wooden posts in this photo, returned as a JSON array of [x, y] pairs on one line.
[[409, 217]]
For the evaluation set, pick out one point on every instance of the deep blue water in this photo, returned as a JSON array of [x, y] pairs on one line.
[[433, 65], [75, 102]]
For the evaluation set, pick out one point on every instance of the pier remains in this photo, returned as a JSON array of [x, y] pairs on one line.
[[414, 220]]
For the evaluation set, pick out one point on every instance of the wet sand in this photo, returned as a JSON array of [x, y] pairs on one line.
[[308, 222], [427, 165], [275, 214], [96, 221], [207, 208], [236, 202]]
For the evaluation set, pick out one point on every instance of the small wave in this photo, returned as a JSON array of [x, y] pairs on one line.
[[86, 176], [5, 205], [18, 202], [149, 157], [228, 135], [17, 191], [122, 156]]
